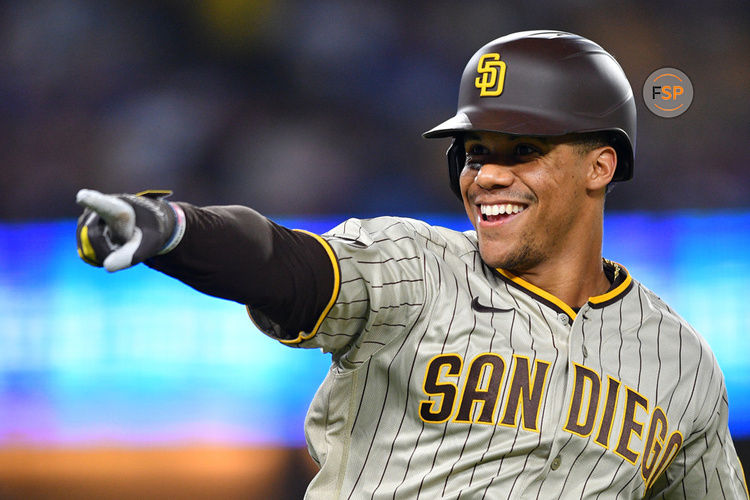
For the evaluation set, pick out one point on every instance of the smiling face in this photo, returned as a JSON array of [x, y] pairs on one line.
[[533, 200]]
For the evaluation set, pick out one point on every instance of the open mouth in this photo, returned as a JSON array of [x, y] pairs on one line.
[[500, 212]]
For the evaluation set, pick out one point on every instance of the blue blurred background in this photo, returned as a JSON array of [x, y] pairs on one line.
[[136, 357], [309, 112]]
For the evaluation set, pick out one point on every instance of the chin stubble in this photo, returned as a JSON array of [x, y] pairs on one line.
[[521, 260]]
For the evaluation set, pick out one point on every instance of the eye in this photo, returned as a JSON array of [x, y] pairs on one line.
[[526, 150], [475, 154], [477, 150]]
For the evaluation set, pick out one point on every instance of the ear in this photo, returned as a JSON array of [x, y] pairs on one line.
[[602, 163]]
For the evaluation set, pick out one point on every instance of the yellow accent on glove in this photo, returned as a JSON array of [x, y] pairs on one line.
[[86, 251]]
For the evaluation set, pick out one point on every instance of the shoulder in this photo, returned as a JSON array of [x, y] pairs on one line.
[[656, 310], [671, 331], [405, 231]]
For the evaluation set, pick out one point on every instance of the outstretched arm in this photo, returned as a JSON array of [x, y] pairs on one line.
[[232, 252]]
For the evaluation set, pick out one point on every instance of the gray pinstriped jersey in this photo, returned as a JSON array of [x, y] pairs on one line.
[[453, 380]]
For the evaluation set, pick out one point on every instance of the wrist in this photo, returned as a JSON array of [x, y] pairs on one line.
[[179, 229]]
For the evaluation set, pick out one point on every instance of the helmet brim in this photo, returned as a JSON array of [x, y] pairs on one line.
[[513, 122]]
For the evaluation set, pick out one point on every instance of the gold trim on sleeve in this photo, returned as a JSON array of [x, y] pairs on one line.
[[302, 336]]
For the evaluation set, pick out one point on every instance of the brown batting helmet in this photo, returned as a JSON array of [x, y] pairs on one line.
[[543, 83]]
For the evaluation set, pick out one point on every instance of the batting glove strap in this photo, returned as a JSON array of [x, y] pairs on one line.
[[179, 229]]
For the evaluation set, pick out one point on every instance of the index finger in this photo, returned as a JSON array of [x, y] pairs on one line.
[[117, 214]]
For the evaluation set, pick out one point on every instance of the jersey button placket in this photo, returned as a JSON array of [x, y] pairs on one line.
[[556, 463], [583, 315], [563, 319]]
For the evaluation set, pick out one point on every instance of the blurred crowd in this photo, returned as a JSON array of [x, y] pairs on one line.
[[316, 107]]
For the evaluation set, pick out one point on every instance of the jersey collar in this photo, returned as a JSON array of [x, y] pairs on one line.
[[617, 274]]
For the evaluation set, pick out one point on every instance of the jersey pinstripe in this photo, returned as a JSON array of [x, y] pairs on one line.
[[450, 379]]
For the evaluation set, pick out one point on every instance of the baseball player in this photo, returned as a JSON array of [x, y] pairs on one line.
[[511, 361]]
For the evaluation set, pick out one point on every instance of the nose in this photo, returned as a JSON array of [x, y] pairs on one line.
[[494, 175]]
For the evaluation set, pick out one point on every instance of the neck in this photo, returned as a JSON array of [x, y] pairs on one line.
[[576, 272], [573, 283]]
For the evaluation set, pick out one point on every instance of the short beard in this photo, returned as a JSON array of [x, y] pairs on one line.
[[520, 261]]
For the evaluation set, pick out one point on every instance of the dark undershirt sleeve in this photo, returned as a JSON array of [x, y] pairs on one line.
[[235, 253]]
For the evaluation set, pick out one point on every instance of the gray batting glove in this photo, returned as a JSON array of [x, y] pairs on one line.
[[119, 231]]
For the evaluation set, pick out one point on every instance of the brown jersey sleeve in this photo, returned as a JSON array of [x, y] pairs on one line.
[[235, 253]]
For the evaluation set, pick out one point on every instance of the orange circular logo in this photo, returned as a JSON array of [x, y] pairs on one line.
[[668, 92]]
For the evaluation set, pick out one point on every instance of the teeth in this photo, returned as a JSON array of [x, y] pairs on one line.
[[507, 208]]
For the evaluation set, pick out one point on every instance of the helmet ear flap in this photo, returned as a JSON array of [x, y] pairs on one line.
[[456, 159]]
